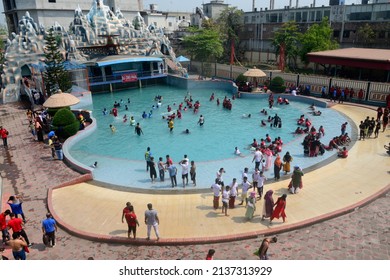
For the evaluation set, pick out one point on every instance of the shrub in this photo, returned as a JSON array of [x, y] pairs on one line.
[[241, 79], [53, 111], [277, 85], [65, 123]]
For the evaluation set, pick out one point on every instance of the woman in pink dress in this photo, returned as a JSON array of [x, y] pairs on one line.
[[269, 155]]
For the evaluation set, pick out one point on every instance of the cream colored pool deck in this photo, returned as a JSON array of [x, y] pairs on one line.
[[94, 212]]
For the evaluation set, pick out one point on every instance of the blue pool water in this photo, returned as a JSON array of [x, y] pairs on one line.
[[223, 129], [121, 154]]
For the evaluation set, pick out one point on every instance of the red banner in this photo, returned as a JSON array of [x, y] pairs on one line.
[[130, 77]]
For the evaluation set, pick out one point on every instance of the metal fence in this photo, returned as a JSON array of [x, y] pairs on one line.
[[375, 93]]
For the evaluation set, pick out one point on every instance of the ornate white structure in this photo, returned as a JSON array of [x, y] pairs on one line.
[[101, 32]]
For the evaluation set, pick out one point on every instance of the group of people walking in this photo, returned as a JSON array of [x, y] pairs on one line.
[[19, 242], [151, 220], [251, 193]]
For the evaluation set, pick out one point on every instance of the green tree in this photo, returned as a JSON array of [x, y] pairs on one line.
[[317, 38], [55, 76], [366, 35], [203, 44], [286, 42], [230, 24]]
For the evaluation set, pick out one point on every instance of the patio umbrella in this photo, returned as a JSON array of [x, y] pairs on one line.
[[255, 73], [60, 99], [182, 59]]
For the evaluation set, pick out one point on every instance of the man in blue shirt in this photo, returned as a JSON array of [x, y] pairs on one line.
[[49, 227], [172, 170]]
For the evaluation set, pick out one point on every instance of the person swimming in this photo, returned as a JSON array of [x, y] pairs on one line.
[[316, 113], [237, 151], [187, 131], [132, 121], [113, 129], [201, 120], [138, 129]]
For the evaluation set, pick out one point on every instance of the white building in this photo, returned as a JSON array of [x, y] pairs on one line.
[[47, 12], [209, 10], [214, 8], [169, 22]]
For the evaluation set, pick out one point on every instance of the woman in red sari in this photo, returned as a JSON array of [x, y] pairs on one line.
[[279, 209]]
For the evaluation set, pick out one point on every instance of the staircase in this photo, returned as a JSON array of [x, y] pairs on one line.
[[176, 67]]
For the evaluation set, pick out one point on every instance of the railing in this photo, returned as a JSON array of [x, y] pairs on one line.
[[374, 92]]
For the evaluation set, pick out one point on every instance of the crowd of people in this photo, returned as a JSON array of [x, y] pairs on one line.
[[251, 194], [187, 168], [14, 220]]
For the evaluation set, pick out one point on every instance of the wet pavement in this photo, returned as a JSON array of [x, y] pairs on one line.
[[27, 168]]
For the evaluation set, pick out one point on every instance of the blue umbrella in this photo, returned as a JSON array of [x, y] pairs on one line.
[[182, 59]]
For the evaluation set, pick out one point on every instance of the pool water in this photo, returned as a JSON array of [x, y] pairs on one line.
[[215, 140], [120, 155]]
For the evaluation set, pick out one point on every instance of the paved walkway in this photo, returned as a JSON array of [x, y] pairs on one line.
[[363, 234]]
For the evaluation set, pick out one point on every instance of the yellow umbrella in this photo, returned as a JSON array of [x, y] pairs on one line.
[[254, 73], [60, 99]]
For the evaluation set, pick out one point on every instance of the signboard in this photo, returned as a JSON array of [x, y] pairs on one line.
[[129, 77]]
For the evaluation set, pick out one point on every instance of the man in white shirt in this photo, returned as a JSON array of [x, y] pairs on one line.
[[219, 175], [245, 187], [225, 199], [245, 173], [184, 172], [233, 193], [260, 184], [255, 178], [258, 156], [216, 190], [294, 92]]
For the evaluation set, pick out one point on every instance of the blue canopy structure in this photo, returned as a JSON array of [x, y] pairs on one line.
[[72, 65], [182, 59]]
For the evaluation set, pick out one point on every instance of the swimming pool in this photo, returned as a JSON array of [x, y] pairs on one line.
[[121, 154]]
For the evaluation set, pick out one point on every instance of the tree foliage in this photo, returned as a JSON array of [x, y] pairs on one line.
[[230, 24], [288, 36], [366, 35], [55, 76], [317, 38], [203, 44]]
